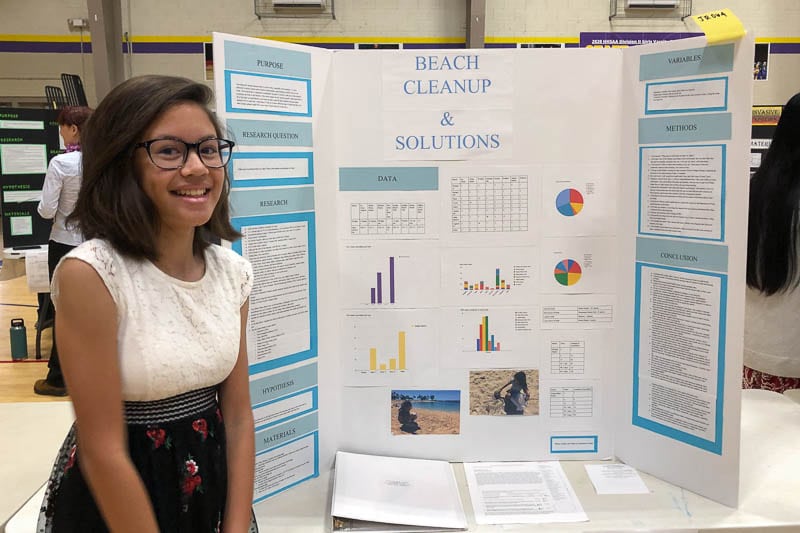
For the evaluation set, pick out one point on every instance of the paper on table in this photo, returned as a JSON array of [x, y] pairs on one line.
[[522, 493], [616, 478], [396, 490], [36, 271]]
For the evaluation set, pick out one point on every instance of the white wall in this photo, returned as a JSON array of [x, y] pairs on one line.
[[25, 74]]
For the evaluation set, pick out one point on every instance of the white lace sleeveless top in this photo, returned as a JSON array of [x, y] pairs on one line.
[[174, 336]]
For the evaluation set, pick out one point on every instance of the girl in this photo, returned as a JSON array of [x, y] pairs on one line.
[[151, 326]]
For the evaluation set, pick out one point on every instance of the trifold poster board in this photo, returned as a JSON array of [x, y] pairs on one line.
[[28, 140], [491, 255]]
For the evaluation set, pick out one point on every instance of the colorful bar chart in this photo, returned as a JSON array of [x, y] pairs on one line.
[[478, 286], [376, 292], [485, 341], [395, 363]]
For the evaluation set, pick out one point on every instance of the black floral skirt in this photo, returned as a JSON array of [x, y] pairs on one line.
[[178, 447]]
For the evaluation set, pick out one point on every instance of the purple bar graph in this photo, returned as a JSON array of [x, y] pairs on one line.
[[391, 280], [376, 293]]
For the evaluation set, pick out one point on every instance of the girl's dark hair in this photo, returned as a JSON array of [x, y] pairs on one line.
[[774, 201], [111, 204], [405, 406], [520, 378], [73, 116]]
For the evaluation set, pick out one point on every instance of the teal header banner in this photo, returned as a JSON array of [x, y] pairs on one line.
[[271, 201], [388, 179], [678, 63], [682, 254], [267, 60], [283, 433], [270, 133], [685, 128], [280, 385]]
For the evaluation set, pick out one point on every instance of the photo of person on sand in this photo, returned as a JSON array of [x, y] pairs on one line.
[[516, 397], [425, 412], [407, 418], [504, 392]]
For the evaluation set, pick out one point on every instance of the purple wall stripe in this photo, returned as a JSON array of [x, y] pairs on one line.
[[197, 48], [167, 48], [431, 46], [784, 48], [44, 47], [332, 46]]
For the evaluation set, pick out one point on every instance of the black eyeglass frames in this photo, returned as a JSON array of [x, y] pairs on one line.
[[171, 154]]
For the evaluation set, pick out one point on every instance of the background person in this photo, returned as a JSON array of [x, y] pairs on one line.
[[59, 194], [151, 326], [771, 333]]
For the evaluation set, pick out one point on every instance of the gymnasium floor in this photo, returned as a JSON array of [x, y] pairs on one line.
[[17, 377], [30, 448]]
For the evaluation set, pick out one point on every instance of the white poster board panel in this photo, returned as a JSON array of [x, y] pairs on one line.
[[489, 247], [270, 99], [679, 418]]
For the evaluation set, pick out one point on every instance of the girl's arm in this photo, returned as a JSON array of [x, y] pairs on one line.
[[240, 435], [86, 328]]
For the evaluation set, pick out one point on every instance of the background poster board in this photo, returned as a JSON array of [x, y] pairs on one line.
[[28, 140], [470, 228], [765, 119], [602, 39]]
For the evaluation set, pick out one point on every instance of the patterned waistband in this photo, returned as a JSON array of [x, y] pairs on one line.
[[172, 408]]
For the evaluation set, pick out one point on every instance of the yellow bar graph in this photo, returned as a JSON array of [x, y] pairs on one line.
[[401, 349], [395, 363]]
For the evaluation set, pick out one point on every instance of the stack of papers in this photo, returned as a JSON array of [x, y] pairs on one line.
[[522, 493]]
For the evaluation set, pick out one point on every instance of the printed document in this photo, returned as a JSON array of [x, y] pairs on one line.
[[522, 493]]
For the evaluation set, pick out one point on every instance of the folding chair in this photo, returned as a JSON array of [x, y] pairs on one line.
[[73, 87], [55, 97]]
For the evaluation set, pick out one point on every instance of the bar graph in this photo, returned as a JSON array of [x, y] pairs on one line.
[[497, 284], [382, 346], [488, 336], [485, 341], [390, 275], [395, 364], [377, 293]]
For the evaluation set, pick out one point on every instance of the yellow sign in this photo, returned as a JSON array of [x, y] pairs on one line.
[[766, 115], [720, 25]]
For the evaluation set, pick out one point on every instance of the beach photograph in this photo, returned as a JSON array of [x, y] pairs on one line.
[[425, 412], [495, 392]]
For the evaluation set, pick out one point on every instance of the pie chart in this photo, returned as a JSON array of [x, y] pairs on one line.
[[567, 272], [569, 202]]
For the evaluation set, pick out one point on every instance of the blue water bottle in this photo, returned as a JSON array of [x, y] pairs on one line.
[[19, 339]]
